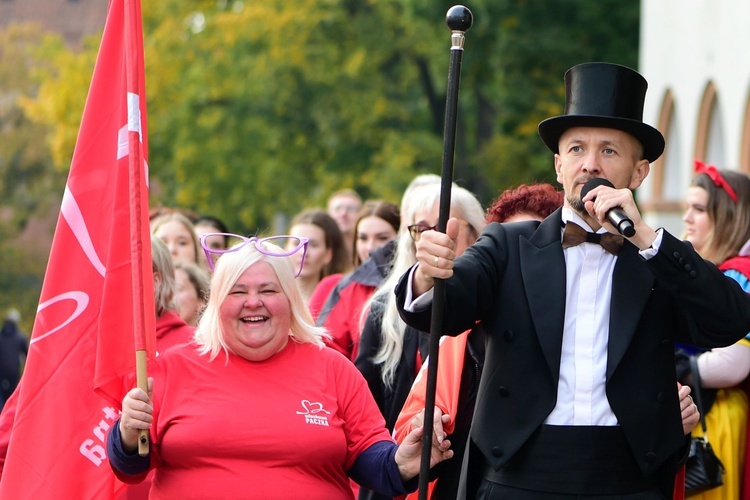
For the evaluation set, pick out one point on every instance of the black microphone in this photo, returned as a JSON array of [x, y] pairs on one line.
[[615, 215]]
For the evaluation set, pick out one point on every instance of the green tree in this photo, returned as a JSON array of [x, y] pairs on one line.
[[324, 94], [30, 188], [258, 109], [282, 112], [26, 168], [516, 56], [262, 108]]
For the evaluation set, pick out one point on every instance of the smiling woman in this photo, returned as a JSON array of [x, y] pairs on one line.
[[255, 314], [262, 386]]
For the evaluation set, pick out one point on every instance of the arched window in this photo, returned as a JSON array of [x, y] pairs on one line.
[[709, 138], [745, 144], [667, 185]]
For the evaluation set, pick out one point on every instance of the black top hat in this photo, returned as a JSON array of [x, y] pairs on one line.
[[604, 95]]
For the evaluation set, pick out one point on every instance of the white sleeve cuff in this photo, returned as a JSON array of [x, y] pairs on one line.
[[422, 302], [654, 248]]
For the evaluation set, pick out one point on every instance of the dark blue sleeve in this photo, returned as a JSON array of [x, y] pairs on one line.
[[376, 469], [130, 464]]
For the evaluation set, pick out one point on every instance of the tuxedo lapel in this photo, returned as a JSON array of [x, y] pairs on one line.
[[631, 288], [543, 272]]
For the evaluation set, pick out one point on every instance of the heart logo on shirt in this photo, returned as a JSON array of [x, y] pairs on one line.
[[311, 408]]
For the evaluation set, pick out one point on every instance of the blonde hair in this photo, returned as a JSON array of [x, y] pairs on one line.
[[161, 263], [422, 198], [159, 221], [731, 221], [229, 268]]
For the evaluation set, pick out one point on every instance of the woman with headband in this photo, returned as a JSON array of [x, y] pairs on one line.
[[717, 223]]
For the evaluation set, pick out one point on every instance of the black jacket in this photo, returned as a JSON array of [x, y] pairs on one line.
[[513, 281]]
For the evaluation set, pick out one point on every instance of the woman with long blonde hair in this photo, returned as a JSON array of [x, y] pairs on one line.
[[390, 353]]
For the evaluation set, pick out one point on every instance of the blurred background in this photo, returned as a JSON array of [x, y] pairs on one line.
[[257, 110]]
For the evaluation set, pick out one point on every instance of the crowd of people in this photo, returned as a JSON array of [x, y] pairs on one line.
[[570, 352]]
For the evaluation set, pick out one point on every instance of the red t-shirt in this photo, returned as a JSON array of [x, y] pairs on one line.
[[288, 427]]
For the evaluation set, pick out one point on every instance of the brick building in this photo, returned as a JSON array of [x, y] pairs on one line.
[[72, 19]]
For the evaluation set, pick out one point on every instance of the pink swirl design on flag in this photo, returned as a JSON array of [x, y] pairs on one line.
[[122, 142], [72, 214], [81, 300]]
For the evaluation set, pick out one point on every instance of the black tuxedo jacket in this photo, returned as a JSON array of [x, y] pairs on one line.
[[513, 280]]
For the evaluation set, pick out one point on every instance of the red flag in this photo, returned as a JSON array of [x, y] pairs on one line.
[[97, 295]]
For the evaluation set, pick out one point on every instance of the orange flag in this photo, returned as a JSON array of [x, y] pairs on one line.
[[97, 301], [451, 357]]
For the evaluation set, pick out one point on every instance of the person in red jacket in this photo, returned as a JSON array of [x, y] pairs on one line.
[[171, 329], [341, 313]]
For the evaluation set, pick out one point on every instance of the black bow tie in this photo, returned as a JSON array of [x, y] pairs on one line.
[[575, 235]]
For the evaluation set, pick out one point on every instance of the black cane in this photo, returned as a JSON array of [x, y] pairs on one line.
[[459, 20]]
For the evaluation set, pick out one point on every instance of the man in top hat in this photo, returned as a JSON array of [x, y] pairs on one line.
[[578, 397]]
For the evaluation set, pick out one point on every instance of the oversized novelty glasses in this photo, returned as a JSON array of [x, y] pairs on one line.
[[289, 245]]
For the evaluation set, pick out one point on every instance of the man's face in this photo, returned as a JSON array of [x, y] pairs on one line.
[[588, 152], [344, 210]]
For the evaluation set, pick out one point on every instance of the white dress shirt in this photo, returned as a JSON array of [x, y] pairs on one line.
[[581, 399]]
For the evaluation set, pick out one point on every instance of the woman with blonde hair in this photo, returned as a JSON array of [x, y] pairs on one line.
[[254, 389], [390, 353]]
